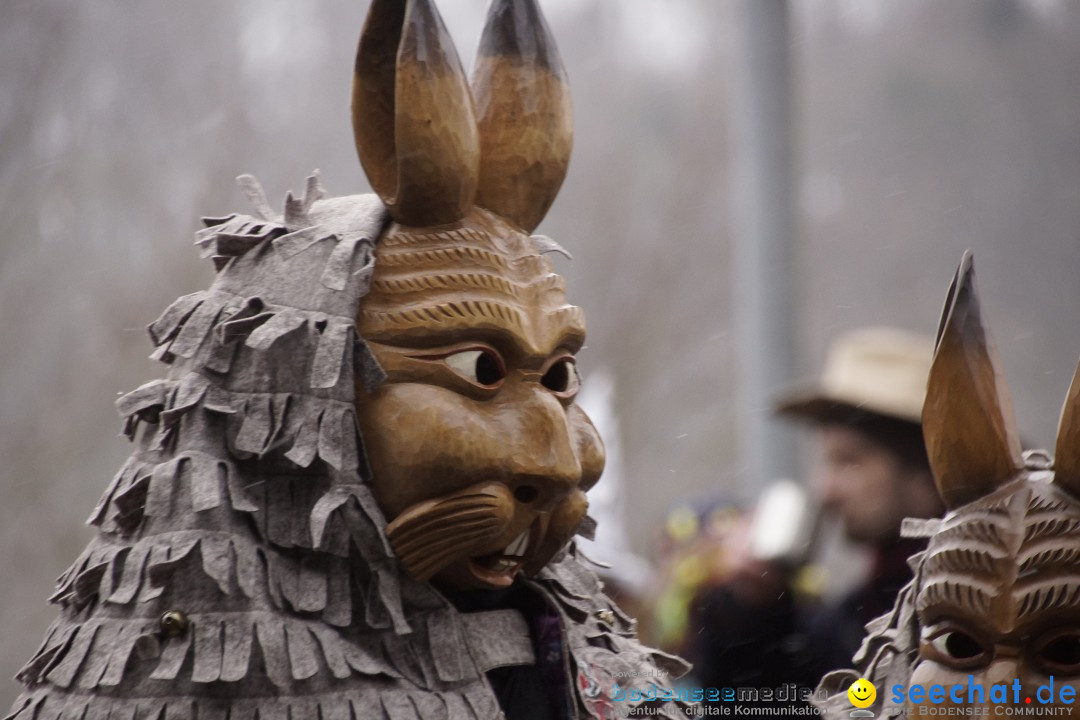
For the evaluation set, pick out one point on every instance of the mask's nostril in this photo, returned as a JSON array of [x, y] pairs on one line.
[[525, 494]]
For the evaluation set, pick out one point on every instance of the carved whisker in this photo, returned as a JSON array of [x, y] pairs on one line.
[[455, 509], [432, 534], [442, 547], [421, 522], [403, 545], [493, 496], [428, 559]]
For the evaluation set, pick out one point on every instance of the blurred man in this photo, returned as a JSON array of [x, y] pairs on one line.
[[872, 473]]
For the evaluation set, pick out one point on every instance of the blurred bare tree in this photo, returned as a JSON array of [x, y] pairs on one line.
[[924, 127]]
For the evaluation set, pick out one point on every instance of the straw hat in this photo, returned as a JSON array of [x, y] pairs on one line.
[[876, 370]]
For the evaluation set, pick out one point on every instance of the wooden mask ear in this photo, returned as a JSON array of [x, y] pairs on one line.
[[523, 103], [413, 115], [967, 419], [1067, 452]]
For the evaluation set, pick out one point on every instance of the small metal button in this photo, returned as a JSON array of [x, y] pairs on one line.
[[606, 616], [173, 623]]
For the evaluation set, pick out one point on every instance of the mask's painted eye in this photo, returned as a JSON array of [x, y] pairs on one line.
[[479, 366], [562, 377], [1061, 653], [957, 648]]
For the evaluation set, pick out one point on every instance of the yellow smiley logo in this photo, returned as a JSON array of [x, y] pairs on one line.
[[862, 693]]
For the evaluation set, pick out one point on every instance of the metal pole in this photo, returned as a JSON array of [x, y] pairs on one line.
[[763, 214]]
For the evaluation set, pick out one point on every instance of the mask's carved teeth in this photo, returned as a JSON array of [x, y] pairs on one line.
[[519, 546], [500, 568], [496, 570]]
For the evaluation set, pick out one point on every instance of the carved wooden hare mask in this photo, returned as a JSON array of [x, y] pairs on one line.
[[480, 459], [997, 595]]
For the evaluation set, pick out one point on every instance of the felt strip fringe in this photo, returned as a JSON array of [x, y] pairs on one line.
[[215, 647], [122, 574], [208, 327], [473, 702], [299, 427]]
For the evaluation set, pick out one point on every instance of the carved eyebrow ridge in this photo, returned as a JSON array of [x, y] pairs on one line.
[[484, 281], [1048, 594], [456, 236], [441, 257], [1051, 527], [1051, 540], [448, 281], [1049, 556], [967, 592], [458, 309], [980, 530], [965, 559]]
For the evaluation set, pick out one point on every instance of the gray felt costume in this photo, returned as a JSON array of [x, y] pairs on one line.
[[240, 569]]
